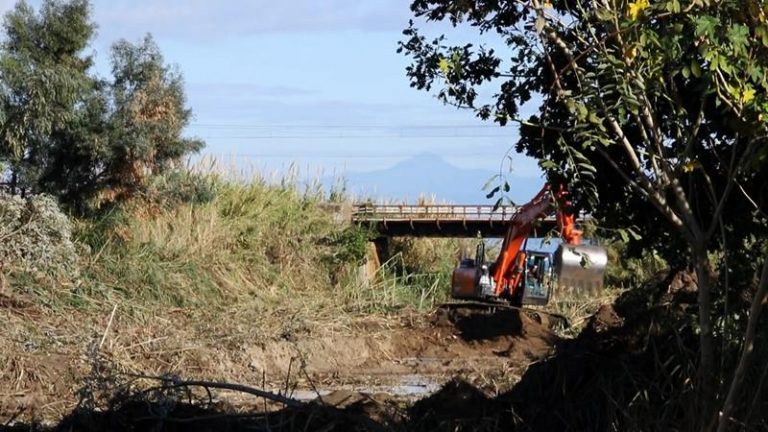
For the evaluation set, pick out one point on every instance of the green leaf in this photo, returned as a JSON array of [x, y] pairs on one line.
[[762, 33], [624, 236], [444, 65], [581, 111], [706, 26], [724, 65], [673, 6], [604, 14], [634, 234], [547, 164], [490, 181], [738, 34], [696, 69]]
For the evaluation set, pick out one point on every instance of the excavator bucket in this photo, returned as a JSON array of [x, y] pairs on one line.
[[580, 269]]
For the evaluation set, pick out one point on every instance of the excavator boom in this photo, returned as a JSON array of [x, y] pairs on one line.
[[529, 277]]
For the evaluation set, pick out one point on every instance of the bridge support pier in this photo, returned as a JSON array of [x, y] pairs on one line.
[[382, 249], [367, 270], [378, 253]]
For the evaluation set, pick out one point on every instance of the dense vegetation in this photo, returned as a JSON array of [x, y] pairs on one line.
[[98, 207], [67, 132], [654, 114]]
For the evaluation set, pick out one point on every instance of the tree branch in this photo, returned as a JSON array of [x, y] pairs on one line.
[[724, 419]]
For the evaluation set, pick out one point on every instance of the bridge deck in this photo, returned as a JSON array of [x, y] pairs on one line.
[[439, 220]]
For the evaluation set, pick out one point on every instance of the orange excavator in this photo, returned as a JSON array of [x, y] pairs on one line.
[[527, 277]]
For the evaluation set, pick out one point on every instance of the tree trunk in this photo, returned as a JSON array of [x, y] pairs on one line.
[[14, 180], [706, 373], [746, 355]]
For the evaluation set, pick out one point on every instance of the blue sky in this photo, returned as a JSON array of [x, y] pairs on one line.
[[317, 83]]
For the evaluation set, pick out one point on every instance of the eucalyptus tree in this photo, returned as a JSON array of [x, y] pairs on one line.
[[70, 133], [43, 80], [147, 117]]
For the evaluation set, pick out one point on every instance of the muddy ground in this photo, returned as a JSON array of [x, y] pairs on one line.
[[381, 364], [630, 368]]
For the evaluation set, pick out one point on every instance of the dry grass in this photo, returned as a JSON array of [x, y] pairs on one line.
[[578, 309], [193, 285], [259, 261]]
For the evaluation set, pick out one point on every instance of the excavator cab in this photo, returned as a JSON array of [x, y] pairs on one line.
[[538, 278], [472, 279]]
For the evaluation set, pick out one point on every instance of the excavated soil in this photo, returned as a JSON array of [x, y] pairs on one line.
[[629, 369], [413, 359], [40, 376]]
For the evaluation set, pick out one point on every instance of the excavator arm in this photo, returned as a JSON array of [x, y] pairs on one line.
[[505, 278], [510, 265]]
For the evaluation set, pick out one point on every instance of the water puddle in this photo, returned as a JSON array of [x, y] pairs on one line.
[[406, 386]]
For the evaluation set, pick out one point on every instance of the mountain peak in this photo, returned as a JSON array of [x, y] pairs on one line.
[[428, 174], [425, 160], [428, 156]]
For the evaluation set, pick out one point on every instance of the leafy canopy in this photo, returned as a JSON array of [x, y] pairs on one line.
[[64, 130], [636, 100], [653, 112]]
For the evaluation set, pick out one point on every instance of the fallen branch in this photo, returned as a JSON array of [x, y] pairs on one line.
[[169, 382]]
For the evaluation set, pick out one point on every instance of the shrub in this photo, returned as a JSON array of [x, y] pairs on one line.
[[35, 235], [428, 255], [181, 187]]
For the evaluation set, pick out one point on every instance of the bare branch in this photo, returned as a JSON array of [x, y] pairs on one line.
[[174, 383], [739, 375], [732, 177]]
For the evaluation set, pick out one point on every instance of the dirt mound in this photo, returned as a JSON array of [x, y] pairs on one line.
[[480, 323], [457, 406], [382, 408], [629, 364]]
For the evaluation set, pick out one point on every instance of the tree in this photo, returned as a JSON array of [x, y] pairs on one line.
[[653, 112], [71, 134], [43, 78], [149, 115]]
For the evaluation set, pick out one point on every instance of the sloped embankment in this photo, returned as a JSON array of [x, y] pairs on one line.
[[631, 368]]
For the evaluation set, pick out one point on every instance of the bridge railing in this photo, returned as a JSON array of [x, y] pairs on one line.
[[432, 212]]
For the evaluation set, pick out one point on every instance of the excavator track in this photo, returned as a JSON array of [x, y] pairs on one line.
[[549, 319]]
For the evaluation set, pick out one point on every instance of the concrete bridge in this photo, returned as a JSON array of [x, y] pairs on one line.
[[440, 220], [430, 220]]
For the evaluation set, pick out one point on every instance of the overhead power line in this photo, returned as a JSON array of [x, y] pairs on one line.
[[303, 156], [337, 137], [337, 126], [334, 155]]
